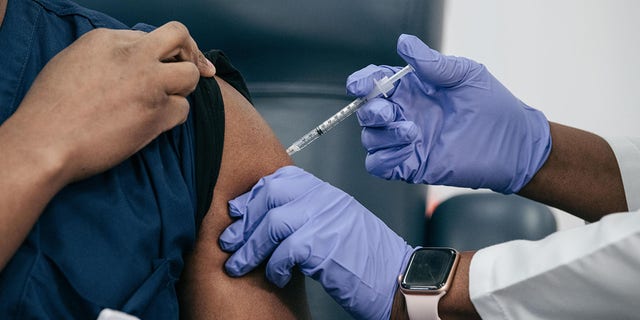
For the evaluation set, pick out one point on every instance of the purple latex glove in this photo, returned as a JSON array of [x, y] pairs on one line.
[[449, 123], [291, 218]]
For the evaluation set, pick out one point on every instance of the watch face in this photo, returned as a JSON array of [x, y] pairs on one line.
[[429, 269]]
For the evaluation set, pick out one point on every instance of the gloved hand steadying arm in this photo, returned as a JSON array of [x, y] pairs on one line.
[[450, 123], [292, 218]]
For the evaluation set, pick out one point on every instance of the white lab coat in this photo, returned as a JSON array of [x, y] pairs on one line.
[[590, 272]]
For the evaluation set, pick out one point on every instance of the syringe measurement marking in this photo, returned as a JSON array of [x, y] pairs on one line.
[[383, 87], [337, 118]]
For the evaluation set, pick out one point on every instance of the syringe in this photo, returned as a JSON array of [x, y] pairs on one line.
[[382, 87]]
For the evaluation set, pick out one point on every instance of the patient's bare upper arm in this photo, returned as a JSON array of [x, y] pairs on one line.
[[251, 151]]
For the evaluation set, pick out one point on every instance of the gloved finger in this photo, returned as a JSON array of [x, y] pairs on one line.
[[274, 190], [232, 237], [379, 112], [238, 206], [431, 66], [284, 185], [248, 212], [386, 163], [361, 82], [394, 135], [259, 198], [279, 224], [289, 254], [252, 207]]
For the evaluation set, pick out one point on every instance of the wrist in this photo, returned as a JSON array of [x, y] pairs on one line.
[[399, 307], [28, 181], [456, 304], [536, 152], [541, 142], [445, 300], [399, 304], [31, 157]]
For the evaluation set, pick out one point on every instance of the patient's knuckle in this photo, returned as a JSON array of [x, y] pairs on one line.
[[155, 97], [101, 33], [178, 29]]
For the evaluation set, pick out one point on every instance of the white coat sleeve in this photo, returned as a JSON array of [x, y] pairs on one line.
[[590, 272]]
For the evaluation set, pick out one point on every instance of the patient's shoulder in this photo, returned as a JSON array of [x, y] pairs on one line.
[[251, 151]]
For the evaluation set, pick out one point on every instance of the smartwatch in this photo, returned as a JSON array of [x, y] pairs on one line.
[[427, 278]]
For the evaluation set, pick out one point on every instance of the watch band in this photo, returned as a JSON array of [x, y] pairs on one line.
[[423, 306]]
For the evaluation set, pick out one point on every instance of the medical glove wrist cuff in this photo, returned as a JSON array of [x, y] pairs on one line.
[[535, 149]]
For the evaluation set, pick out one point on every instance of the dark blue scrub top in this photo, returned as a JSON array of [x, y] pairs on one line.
[[114, 240]]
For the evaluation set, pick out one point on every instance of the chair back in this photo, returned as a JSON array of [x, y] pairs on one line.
[[477, 220]]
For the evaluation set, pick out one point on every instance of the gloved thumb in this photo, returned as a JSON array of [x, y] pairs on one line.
[[432, 67]]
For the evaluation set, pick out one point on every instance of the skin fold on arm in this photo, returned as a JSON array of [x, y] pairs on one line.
[[251, 151]]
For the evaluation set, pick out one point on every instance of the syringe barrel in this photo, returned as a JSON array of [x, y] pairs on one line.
[[382, 87], [341, 115]]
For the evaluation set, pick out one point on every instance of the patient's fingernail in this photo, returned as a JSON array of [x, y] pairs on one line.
[[208, 63]]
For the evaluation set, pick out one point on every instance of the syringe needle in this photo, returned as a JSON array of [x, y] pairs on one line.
[[382, 87]]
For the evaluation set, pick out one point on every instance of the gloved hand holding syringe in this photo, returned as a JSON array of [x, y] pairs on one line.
[[382, 87]]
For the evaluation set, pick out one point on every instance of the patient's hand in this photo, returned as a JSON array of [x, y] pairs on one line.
[[251, 151], [107, 95]]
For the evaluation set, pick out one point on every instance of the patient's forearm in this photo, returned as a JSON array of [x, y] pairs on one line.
[[29, 178]]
